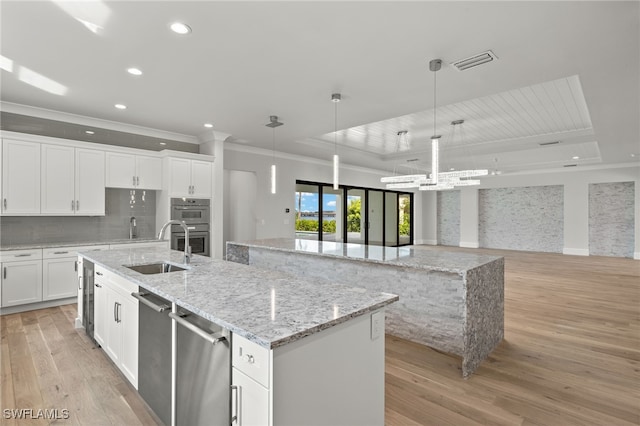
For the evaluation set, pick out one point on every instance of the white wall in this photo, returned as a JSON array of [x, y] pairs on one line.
[[271, 219]]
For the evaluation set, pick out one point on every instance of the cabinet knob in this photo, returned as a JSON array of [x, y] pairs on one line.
[[250, 359]]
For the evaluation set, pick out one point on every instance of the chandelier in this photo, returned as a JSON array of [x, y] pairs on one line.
[[436, 180]]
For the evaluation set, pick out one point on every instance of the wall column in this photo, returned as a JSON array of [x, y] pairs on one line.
[[427, 209], [213, 144], [576, 218], [469, 204]]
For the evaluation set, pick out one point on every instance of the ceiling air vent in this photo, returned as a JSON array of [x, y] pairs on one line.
[[549, 143], [412, 160], [570, 165], [475, 60]]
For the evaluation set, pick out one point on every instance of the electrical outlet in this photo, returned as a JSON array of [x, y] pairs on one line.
[[377, 324]]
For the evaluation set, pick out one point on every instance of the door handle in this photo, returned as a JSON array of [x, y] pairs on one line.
[[5, 203], [79, 282], [77, 205], [72, 206], [211, 338], [134, 180], [158, 308], [4, 274], [75, 266], [137, 180], [235, 417]]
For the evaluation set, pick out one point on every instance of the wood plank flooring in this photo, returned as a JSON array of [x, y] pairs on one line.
[[571, 356]]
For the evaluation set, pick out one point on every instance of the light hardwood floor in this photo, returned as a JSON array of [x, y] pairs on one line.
[[571, 355]]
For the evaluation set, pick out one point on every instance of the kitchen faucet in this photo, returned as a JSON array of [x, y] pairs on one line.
[[187, 247], [133, 230]]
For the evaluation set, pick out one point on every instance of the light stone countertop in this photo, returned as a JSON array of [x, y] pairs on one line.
[[267, 307], [75, 244], [407, 256]]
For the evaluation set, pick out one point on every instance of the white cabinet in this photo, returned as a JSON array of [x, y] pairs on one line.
[[133, 171], [59, 273], [20, 177], [251, 367], [116, 321], [21, 277], [72, 181], [189, 178]]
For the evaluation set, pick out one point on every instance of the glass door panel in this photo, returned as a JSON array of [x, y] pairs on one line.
[[356, 217], [375, 217], [404, 219], [390, 219], [332, 221], [307, 211]]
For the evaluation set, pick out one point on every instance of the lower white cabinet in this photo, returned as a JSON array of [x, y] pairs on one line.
[[21, 281], [59, 273], [250, 403], [116, 321]]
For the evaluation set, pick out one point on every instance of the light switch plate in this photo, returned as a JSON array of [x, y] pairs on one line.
[[377, 324]]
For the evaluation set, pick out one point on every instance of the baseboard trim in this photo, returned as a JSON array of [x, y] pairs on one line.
[[426, 242], [38, 305], [575, 251], [468, 244]]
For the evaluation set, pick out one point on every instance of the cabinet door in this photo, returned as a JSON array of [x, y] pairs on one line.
[[120, 170], [129, 326], [90, 190], [201, 179], [100, 317], [20, 177], [21, 282], [148, 172], [113, 339], [59, 279], [57, 185], [179, 177], [252, 401]]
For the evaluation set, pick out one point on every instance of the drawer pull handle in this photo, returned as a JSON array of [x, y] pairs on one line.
[[251, 359], [98, 273], [5, 272], [23, 255], [98, 285], [60, 252]]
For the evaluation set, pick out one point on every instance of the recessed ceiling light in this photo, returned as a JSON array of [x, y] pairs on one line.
[[208, 125], [120, 106], [163, 143], [180, 28], [134, 71], [452, 169], [575, 157], [90, 132]]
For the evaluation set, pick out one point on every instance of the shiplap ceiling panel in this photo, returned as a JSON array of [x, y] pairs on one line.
[[542, 110]]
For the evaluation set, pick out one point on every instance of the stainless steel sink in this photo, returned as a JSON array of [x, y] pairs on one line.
[[155, 268]]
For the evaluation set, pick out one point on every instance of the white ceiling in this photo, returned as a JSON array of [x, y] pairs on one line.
[[566, 71]]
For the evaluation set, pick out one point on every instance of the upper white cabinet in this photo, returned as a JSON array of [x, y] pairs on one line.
[[133, 171], [20, 178], [189, 178], [72, 181]]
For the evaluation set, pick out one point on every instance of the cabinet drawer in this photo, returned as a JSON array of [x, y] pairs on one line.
[[115, 282], [57, 252], [20, 255], [252, 359]]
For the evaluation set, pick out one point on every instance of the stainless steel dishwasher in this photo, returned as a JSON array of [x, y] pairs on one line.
[[154, 353], [203, 371]]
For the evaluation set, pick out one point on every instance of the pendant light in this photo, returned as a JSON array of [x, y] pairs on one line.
[[335, 98], [273, 123], [435, 65]]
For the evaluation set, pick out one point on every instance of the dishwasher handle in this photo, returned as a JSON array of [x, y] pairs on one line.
[[158, 308], [211, 338]]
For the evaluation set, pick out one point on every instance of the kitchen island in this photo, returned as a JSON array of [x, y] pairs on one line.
[[317, 352], [453, 302]]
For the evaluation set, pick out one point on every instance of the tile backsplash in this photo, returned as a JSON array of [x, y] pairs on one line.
[[120, 206]]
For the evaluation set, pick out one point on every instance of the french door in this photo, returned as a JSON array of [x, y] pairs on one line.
[[353, 214]]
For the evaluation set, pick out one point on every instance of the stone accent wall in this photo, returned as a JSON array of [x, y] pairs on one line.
[[611, 219], [522, 218], [449, 218]]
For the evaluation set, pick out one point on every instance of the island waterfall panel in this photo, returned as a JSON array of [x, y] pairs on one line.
[[453, 302]]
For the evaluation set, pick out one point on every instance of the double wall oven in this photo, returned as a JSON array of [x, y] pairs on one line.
[[196, 214]]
